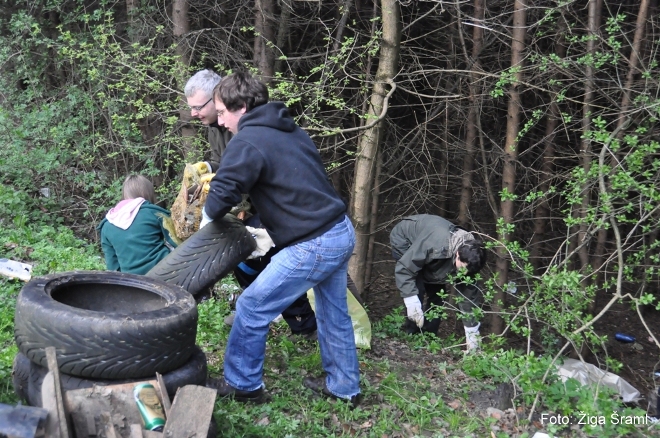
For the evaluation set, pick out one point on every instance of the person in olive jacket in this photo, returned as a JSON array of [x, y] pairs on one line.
[[428, 250], [133, 237], [199, 96]]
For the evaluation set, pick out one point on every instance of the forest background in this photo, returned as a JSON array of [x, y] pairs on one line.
[[531, 122]]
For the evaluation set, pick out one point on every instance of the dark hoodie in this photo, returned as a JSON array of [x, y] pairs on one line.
[[278, 165]]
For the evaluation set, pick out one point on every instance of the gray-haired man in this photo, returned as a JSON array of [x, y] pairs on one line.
[[199, 95]]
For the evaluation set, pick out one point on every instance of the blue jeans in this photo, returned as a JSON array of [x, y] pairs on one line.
[[320, 263]]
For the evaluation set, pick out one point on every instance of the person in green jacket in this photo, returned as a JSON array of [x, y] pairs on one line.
[[133, 236], [199, 96], [429, 250]]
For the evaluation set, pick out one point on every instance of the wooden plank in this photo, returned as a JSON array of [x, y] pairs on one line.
[[108, 427], [136, 431], [51, 357], [191, 413], [22, 421], [91, 424], [164, 396], [49, 402], [116, 399]]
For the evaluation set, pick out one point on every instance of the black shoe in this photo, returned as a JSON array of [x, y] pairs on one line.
[[317, 384], [226, 390], [410, 327], [311, 336]]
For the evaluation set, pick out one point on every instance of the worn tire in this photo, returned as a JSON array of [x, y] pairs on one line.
[[206, 256], [106, 325], [192, 372], [20, 375]]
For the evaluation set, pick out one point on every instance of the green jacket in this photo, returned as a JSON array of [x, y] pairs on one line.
[[218, 137], [423, 244], [141, 246]]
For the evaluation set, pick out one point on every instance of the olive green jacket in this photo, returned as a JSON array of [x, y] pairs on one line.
[[422, 245], [218, 137]]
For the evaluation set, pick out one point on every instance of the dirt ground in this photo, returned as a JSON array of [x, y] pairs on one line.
[[640, 359]]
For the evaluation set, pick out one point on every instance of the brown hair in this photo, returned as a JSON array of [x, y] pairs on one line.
[[240, 90], [137, 186]]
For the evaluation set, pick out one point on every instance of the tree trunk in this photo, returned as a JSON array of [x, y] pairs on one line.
[[510, 157], [542, 213], [369, 141], [181, 23], [373, 226], [282, 33], [264, 26], [633, 62], [473, 113]]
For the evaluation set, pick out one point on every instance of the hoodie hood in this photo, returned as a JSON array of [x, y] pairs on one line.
[[123, 214], [271, 115]]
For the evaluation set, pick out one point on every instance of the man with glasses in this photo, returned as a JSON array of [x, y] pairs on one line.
[[199, 94]]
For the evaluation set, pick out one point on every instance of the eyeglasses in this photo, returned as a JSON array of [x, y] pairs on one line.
[[199, 107]]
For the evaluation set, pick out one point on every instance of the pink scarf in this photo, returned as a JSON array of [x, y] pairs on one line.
[[123, 214]]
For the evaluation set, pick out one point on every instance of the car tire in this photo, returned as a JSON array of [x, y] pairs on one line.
[[106, 325], [20, 376], [193, 372], [206, 256]]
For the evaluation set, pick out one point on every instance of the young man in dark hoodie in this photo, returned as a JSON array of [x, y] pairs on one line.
[[277, 164]]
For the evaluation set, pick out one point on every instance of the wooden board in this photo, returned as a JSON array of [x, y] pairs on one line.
[[53, 368], [191, 412], [86, 406], [49, 402]]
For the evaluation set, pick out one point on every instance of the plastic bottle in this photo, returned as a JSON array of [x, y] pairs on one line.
[[149, 406], [14, 269], [622, 337]]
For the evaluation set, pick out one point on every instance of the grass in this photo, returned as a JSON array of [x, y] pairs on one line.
[[412, 385]]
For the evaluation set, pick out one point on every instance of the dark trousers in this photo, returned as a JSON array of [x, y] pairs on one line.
[[429, 297], [299, 315]]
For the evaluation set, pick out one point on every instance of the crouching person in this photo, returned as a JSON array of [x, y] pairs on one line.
[[428, 251], [134, 236]]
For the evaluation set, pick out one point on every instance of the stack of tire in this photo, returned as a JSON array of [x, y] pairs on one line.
[[111, 327]]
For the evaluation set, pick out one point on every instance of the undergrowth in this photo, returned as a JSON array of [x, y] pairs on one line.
[[430, 398]]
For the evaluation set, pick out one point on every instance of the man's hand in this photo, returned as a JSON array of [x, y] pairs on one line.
[[414, 308], [206, 178], [202, 167], [205, 181], [264, 242], [205, 219]]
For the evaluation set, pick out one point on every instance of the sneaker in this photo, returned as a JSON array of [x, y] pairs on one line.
[[313, 336], [226, 390], [229, 320], [317, 384]]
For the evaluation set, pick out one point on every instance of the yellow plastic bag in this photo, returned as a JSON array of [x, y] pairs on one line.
[[187, 208], [359, 318]]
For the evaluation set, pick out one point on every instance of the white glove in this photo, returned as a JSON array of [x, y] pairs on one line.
[[205, 219], [472, 338], [264, 242], [414, 308]]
